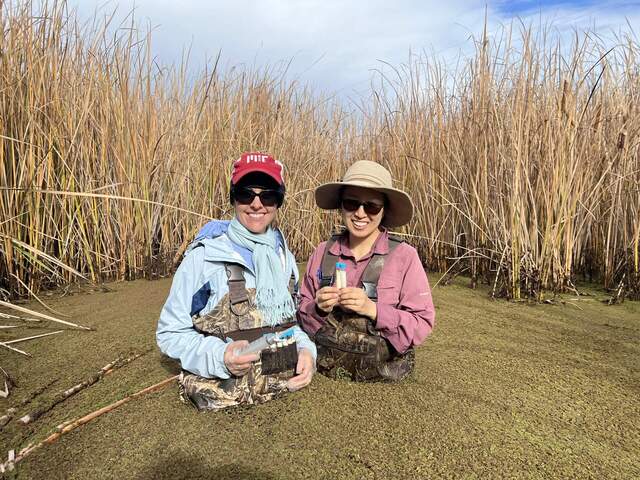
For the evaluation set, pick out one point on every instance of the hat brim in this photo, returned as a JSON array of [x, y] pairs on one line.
[[398, 212]]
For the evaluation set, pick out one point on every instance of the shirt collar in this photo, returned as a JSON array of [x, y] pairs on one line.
[[341, 246]]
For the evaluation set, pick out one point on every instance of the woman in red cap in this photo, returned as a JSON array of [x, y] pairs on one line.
[[238, 284], [366, 328]]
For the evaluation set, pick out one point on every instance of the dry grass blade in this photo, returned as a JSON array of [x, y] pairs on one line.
[[24, 339], [13, 349], [41, 315], [26, 287]]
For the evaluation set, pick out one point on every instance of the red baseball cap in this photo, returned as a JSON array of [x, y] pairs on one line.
[[257, 162]]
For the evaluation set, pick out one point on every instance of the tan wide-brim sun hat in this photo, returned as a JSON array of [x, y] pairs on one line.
[[367, 174]]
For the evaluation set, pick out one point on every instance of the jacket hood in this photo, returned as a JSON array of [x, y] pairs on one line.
[[217, 246]]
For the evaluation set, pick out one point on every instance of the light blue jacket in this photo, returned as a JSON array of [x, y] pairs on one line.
[[198, 285]]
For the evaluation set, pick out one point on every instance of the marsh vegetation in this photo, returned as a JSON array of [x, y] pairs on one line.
[[523, 161], [499, 390]]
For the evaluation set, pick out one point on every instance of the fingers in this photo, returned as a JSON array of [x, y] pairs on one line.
[[352, 294], [301, 380], [248, 358], [238, 364], [304, 369], [305, 361], [327, 298], [329, 290], [356, 300], [352, 298]]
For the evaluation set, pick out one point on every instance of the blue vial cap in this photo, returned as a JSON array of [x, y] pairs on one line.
[[341, 266], [288, 333]]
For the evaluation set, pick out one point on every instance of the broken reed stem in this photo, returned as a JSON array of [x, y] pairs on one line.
[[6, 418], [18, 340], [8, 383], [62, 396], [41, 315], [17, 350], [72, 425]]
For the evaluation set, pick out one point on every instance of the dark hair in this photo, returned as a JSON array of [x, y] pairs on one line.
[[258, 180]]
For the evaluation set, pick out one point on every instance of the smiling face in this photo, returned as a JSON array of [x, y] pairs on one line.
[[254, 216], [362, 225], [253, 213]]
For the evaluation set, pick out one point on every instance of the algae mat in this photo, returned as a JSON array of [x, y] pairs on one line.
[[501, 390]]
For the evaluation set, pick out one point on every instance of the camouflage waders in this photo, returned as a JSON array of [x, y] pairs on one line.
[[237, 317], [348, 344]]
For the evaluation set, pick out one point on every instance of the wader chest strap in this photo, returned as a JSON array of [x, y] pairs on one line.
[[328, 266], [238, 288], [236, 283], [371, 273]]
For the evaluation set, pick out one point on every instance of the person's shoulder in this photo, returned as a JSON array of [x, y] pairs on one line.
[[320, 249], [213, 229], [404, 250], [317, 254], [322, 245], [194, 253]]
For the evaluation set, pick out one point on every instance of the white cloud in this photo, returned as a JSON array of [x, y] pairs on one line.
[[334, 44]]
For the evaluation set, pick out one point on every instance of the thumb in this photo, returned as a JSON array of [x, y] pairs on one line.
[[238, 345]]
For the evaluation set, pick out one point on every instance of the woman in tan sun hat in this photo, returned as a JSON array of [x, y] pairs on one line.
[[366, 328]]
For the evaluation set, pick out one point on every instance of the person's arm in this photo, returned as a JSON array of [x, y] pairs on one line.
[[407, 324], [303, 341], [176, 335], [310, 318]]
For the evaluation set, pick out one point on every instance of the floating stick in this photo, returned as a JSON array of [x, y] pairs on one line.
[[18, 340], [41, 315], [8, 383], [14, 349], [6, 418], [72, 425], [62, 396]]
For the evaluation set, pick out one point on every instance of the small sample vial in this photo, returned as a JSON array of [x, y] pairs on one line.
[[341, 275]]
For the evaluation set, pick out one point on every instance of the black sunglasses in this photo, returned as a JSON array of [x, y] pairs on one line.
[[268, 198], [370, 208]]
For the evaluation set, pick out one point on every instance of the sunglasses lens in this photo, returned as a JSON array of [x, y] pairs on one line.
[[351, 205], [269, 198], [244, 196], [372, 208]]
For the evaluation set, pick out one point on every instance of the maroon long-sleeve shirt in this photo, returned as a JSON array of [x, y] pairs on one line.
[[405, 307]]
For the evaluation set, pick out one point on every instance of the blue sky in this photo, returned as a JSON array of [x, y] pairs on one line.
[[520, 7], [336, 46]]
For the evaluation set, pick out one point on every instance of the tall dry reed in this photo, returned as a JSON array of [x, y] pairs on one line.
[[523, 164]]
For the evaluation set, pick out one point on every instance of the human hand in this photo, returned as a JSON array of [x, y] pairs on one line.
[[356, 300], [238, 365], [327, 298], [304, 369]]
